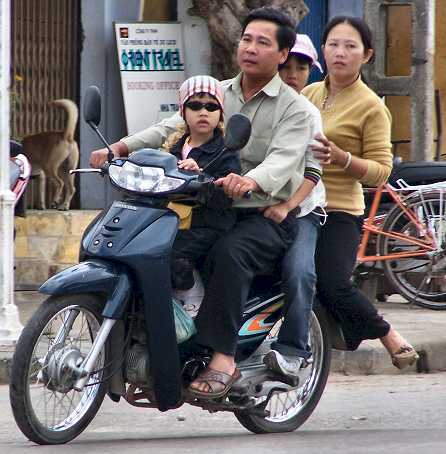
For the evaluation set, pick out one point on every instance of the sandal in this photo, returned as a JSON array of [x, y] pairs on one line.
[[219, 383], [405, 356]]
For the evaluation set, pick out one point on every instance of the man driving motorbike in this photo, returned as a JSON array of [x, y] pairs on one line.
[[273, 165]]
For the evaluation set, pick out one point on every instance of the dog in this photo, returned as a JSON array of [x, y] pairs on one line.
[[52, 155]]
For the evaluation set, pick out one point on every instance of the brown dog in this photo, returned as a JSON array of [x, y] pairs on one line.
[[54, 154]]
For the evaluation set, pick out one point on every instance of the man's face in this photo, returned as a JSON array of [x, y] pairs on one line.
[[258, 53]]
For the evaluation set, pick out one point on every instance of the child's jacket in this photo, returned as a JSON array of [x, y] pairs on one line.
[[216, 212]]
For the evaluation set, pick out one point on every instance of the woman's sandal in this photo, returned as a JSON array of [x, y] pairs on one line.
[[405, 356], [219, 383]]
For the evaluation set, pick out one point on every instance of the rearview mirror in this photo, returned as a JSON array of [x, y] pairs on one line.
[[92, 105], [238, 131]]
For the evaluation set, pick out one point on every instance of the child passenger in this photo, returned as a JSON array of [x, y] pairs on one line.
[[290, 351], [196, 145]]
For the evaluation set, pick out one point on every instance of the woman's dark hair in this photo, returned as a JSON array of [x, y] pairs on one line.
[[358, 24], [286, 34]]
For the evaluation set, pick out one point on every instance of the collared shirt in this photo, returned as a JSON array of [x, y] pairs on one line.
[[275, 154]]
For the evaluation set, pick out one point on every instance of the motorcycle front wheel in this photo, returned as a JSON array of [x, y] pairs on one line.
[[45, 405], [289, 410]]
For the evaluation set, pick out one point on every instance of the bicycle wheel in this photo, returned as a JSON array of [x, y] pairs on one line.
[[419, 279]]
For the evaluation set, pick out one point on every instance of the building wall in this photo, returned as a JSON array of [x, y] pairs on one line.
[[399, 63], [345, 7], [99, 66], [196, 40], [313, 25], [440, 63]]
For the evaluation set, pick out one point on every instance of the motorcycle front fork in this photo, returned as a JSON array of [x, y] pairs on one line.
[[84, 370]]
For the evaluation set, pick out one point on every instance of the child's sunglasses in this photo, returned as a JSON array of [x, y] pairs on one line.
[[197, 105]]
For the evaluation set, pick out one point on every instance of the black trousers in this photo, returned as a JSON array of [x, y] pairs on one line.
[[336, 252], [189, 251], [253, 247]]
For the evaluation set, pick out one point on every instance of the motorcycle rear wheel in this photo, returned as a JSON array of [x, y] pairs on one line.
[[421, 279], [298, 404], [45, 406]]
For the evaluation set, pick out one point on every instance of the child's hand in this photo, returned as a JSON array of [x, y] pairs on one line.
[[188, 164], [277, 213]]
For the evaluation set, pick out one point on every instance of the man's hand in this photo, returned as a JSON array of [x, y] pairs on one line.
[[188, 164], [235, 186], [277, 213], [98, 157]]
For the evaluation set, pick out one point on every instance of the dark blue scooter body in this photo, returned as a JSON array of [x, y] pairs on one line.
[[125, 252], [128, 250]]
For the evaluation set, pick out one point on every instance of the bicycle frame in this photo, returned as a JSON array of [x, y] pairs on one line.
[[371, 226]]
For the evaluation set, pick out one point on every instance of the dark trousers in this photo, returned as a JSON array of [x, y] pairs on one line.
[[253, 247], [336, 252], [189, 250]]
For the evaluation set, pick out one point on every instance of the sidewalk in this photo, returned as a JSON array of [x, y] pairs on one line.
[[424, 328]]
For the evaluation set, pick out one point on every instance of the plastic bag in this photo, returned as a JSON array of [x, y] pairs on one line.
[[184, 325]]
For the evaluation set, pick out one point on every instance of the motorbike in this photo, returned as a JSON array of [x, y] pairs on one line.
[[19, 175], [108, 326]]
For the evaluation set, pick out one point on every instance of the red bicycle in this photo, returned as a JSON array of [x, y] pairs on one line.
[[409, 241]]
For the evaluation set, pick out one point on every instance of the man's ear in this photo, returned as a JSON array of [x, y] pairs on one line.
[[283, 55]]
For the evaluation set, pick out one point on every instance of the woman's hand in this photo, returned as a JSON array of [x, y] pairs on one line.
[[277, 213], [189, 164], [321, 149]]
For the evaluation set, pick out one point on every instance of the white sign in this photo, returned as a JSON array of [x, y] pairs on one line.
[[151, 63]]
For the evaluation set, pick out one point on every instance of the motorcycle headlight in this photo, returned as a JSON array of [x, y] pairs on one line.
[[142, 179]]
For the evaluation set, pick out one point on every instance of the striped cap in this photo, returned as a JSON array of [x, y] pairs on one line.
[[200, 84]]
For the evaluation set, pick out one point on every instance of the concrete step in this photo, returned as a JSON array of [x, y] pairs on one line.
[[30, 273], [51, 234]]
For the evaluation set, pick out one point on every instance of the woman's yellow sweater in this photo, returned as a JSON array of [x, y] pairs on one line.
[[359, 122]]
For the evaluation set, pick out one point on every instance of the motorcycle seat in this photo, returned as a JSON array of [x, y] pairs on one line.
[[14, 174], [413, 173], [416, 173]]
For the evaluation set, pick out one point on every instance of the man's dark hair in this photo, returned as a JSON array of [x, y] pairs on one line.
[[286, 34]]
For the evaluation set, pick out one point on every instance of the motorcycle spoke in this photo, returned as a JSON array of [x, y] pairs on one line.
[[54, 403], [285, 405]]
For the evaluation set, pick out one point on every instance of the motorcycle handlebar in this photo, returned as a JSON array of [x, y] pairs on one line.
[[86, 171], [198, 186]]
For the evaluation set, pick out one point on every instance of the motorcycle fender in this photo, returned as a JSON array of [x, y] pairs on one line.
[[335, 331], [94, 276]]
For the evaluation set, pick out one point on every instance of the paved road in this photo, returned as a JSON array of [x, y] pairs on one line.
[[374, 414]]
